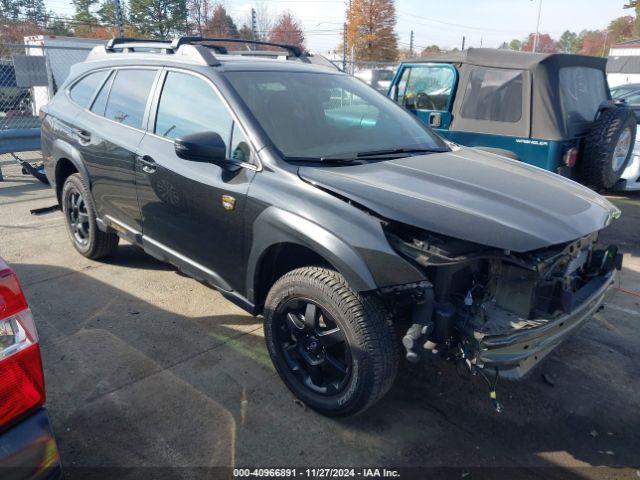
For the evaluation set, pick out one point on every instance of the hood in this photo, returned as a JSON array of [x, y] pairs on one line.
[[472, 195]]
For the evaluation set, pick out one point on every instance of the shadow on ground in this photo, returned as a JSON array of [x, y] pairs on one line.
[[133, 384]]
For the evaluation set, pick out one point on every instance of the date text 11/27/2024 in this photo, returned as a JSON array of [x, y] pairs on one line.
[[315, 473]]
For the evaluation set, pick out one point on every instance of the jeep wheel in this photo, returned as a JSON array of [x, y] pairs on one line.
[[608, 148], [80, 217], [335, 349]]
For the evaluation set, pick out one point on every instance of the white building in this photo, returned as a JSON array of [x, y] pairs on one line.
[[623, 65]]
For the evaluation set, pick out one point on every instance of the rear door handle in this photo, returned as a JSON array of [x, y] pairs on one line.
[[148, 163], [83, 135]]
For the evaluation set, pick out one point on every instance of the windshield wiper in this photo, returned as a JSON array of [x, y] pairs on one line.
[[376, 153], [380, 154], [337, 160]]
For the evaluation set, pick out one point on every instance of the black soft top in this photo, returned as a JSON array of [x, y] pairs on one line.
[[543, 114], [499, 58]]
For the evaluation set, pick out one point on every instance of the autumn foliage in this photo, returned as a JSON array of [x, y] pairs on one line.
[[287, 30], [371, 30]]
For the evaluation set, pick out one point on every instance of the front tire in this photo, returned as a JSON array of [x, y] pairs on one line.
[[335, 349], [80, 217]]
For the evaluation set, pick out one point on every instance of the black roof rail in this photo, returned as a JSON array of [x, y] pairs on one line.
[[125, 43], [292, 49]]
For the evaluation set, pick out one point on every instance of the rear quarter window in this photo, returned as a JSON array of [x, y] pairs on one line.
[[82, 92], [582, 90], [494, 95]]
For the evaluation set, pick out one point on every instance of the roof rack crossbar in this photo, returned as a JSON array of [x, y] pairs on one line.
[[125, 42], [292, 49]]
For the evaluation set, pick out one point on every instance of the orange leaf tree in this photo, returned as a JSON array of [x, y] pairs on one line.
[[287, 30], [371, 30]]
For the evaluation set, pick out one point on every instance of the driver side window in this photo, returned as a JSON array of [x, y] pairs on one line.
[[426, 87]]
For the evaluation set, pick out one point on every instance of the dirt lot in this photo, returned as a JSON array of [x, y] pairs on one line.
[[146, 367]]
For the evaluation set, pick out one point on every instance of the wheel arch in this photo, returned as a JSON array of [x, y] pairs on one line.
[[68, 162], [284, 241]]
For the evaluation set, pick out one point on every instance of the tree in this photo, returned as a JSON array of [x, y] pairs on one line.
[[621, 29], [569, 42], [220, 25], [158, 18], [34, 11], [635, 4], [245, 32], [515, 44], [593, 43], [287, 29], [15, 31], [10, 10], [199, 12], [370, 30], [84, 11], [546, 44], [430, 51], [107, 12], [58, 26]]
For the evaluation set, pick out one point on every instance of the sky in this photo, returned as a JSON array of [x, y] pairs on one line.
[[441, 22]]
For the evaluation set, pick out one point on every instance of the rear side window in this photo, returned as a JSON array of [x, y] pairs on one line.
[[82, 92], [494, 95], [188, 104], [582, 89], [128, 96], [100, 103]]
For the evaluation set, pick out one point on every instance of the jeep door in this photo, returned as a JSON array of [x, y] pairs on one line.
[[427, 90], [109, 134], [192, 211]]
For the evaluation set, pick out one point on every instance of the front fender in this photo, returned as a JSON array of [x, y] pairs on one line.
[[364, 269], [275, 226]]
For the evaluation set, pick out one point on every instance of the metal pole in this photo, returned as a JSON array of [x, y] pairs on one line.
[[353, 59], [254, 25], [411, 43], [344, 48], [535, 39], [604, 47], [117, 6], [464, 39]]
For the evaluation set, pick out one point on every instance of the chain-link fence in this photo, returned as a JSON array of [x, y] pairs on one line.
[[30, 74]]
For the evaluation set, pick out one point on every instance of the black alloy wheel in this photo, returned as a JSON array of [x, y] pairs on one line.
[[334, 348], [314, 347], [77, 216], [80, 216]]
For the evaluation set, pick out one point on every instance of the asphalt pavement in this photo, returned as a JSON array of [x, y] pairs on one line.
[[146, 367]]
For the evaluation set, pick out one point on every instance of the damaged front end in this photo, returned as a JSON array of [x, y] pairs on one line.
[[496, 310]]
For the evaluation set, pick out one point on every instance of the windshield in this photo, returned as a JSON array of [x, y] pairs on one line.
[[319, 115]]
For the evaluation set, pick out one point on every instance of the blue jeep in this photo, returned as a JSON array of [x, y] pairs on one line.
[[549, 110]]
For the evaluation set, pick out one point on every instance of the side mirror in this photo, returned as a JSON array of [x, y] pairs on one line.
[[201, 147]]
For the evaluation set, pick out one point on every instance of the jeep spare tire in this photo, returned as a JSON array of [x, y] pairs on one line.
[[608, 147]]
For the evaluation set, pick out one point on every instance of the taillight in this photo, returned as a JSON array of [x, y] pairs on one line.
[[21, 376], [571, 157]]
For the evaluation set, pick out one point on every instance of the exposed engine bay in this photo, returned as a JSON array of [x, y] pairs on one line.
[[479, 298]]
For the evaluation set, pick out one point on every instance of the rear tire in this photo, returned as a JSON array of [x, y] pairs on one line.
[[80, 218], [364, 348], [608, 148]]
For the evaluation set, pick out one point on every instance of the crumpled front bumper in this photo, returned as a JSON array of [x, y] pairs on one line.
[[516, 354]]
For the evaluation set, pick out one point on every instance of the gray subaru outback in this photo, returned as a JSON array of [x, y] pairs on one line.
[[303, 195]]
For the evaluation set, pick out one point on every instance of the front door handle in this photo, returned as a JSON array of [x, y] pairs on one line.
[[83, 135], [148, 163]]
